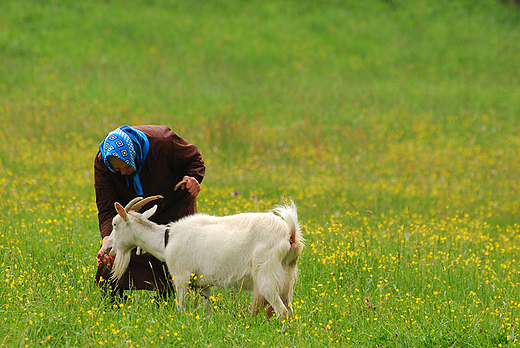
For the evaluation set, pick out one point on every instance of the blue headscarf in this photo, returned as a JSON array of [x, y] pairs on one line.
[[130, 146]]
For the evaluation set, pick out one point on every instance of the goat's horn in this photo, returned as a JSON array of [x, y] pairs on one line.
[[179, 185], [131, 203], [141, 204]]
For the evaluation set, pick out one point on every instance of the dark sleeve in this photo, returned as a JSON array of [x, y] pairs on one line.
[[187, 159], [106, 195]]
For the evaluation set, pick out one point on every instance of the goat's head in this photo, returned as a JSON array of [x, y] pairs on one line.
[[121, 240]]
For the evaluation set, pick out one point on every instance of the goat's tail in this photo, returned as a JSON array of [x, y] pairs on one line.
[[289, 214]]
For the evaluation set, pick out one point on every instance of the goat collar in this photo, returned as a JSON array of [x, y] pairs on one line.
[[166, 236]]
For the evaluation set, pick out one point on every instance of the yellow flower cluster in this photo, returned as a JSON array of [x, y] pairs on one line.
[[412, 235]]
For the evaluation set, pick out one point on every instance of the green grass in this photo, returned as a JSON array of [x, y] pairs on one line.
[[393, 124]]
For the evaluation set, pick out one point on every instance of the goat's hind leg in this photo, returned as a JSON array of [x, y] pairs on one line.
[[269, 281], [279, 307], [259, 303], [275, 301], [287, 294]]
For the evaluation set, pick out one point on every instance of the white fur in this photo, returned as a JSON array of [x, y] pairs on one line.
[[250, 251]]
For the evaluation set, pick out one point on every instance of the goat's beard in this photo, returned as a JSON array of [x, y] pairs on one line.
[[121, 262]]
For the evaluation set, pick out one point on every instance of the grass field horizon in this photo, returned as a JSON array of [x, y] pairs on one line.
[[394, 126]]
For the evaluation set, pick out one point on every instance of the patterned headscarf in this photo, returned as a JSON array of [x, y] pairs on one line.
[[130, 146]]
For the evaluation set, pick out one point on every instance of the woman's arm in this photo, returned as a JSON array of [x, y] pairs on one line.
[[187, 160]]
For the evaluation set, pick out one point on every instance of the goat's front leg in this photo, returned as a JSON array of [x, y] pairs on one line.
[[181, 287], [206, 294]]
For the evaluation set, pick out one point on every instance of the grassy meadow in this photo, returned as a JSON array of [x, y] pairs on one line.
[[394, 125]]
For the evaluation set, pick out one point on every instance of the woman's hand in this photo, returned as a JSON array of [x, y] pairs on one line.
[[192, 185], [103, 257]]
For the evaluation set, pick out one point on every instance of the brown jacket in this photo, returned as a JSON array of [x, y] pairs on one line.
[[169, 159]]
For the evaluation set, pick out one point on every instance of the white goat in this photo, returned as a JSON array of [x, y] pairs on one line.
[[250, 251]]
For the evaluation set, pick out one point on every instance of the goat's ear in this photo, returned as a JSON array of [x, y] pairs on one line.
[[147, 214], [121, 211]]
